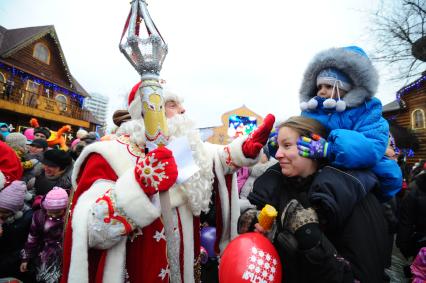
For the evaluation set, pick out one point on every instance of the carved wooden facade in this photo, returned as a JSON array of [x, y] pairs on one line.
[[409, 111], [35, 81]]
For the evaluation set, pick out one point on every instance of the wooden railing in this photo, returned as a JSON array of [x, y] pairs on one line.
[[42, 102]]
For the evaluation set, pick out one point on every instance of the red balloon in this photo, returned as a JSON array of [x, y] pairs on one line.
[[250, 257]]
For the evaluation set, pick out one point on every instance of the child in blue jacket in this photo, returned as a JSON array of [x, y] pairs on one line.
[[338, 90]]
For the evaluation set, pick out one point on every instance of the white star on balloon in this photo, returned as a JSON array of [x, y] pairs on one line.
[[267, 265]]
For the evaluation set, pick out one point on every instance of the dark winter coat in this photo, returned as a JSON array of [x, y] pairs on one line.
[[11, 243], [347, 250], [412, 218], [44, 184]]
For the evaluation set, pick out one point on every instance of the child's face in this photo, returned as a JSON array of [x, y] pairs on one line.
[[55, 212], [326, 91]]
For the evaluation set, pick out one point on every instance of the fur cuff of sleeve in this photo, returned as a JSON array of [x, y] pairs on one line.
[[236, 155], [133, 201]]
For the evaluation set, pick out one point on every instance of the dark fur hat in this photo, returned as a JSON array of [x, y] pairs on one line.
[[42, 130]]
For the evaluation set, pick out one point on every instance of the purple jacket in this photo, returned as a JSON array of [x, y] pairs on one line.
[[45, 237]]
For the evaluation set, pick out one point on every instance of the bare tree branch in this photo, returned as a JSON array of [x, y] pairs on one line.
[[397, 26]]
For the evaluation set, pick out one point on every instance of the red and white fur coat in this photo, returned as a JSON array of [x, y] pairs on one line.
[[142, 257]]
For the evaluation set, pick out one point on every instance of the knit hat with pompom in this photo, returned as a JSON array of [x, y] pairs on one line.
[[57, 198]]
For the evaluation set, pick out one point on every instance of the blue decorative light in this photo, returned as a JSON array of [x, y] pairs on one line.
[[414, 85], [25, 76], [408, 152]]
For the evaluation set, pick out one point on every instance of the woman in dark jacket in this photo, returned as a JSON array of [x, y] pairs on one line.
[[326, 230], [57, 169], [411, 235]]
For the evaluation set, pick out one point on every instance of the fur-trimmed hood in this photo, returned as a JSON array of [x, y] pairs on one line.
[[358, 67]]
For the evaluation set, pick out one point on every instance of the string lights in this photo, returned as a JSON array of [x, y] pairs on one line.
[[25, 76]]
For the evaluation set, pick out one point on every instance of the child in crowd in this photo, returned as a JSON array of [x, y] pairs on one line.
[[18, 142], [15, 220], [338, 90], [44, 244]]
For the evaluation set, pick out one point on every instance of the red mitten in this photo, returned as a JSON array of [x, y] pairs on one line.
[[257, 139], [157, 172]]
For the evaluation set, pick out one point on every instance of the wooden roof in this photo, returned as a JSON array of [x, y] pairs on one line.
[[12, 40]]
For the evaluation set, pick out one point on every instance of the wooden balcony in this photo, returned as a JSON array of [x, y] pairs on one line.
[[32, 104]]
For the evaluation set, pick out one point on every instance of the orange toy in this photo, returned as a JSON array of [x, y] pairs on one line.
[[57, 138]]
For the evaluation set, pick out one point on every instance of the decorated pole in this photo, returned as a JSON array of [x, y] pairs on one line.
[[144, 47]]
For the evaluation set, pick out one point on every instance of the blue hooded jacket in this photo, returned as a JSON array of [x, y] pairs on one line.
[[5, 133], [358, 136]]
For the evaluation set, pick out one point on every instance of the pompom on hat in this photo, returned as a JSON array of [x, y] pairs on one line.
[[57, 198], [12, 197]]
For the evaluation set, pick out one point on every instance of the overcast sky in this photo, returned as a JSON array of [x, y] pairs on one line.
[[222, 53]]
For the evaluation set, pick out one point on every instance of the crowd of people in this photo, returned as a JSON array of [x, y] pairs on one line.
[[92, 213]]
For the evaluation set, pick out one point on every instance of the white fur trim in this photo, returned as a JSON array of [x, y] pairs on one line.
[[188, 242], [235, 208], [109, 150], [135, 107], [177, 197], [115, 263], [79, 265], [224, 239], [131, 198], [2, 180], [237, 155]]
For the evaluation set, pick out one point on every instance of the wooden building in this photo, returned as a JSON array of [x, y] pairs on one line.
[[35, 81], [240, 121], [408, 112]]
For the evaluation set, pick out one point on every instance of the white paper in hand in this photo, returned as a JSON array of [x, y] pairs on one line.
[[183, 157]]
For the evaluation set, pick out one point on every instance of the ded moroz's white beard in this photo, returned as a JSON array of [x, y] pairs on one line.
[[198, 188]]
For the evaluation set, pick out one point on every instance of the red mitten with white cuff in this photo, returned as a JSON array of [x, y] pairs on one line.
[[258, 139], [156, 172]]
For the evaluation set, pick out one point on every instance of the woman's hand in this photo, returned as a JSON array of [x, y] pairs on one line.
[[302, 223], [259, 229], [24, 267], [247, 221]]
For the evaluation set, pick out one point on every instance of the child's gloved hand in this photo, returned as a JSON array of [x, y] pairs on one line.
[[315, 147]]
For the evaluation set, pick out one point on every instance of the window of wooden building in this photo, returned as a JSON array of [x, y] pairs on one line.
[[32, 86], [41, 52], [62, 101], [418, 119]]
